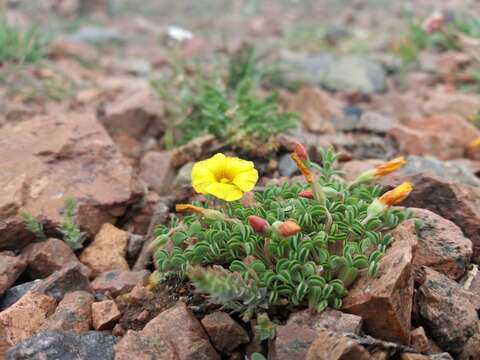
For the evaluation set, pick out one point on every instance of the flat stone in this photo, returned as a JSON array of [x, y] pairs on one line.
[[157, 172], [108, 250], [47, 159], [224, 332], [62, 345], [73, 313], [11, 267], [441, 245], [118, 282], [70, 278], [174, 331], [105, 314], [448, 311], [332, 346], [385, 302], [24, 318], [48, 256], [302, 328]]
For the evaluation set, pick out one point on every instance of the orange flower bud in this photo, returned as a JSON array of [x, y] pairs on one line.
[[288, 228], [301, 152], [181, 208], [475, 143], [258, 224], [307, 194], [389, 167], [306, 172], [396, 195]]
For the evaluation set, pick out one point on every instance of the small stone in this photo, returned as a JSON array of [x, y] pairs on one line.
[[332, 346], [135, 244], [95, 35], [48, 256], [108, 250], [11, 267], [157, 172], [385, 302], [286, 166], [12, 295], [225, 334], [105, 314], [73, 313], [448, 311], [295, 337], [419, 340], [441, 245], [118, 282], [173, 334], [24, 318], [460, 103], [62, 345], [193, 150], [70, 278]]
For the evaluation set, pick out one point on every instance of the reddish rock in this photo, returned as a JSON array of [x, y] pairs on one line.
[[444, 136], [48, 159], [193, 150], [157, 172], [143, 214], [108, 250], [441, 245], [73, 313], [318, 108], [174, 334], [412, 356], [385, 302], [302, 328], [459, 203], [105, 314], [332, 346], [352, 169], [448, 311], [70, 278], [45, 257], [11, 267], [118, 282], [224, 332], [420, 342], [21, 320], [136, 111], [462, 104]]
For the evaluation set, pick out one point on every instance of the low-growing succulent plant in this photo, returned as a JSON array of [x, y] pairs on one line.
[[290, 245]]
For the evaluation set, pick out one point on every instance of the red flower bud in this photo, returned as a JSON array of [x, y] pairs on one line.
[[307, 194], [288, 228], [301, 152], [258, 224]]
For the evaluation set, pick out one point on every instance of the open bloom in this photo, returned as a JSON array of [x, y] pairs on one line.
[[475, 143], [224, 177], [392, 197]]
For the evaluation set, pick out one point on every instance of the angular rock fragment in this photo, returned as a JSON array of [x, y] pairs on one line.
[[118, 282], [225, 334]]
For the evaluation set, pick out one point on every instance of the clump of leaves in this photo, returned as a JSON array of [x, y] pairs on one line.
[[20, 46], [69, 229], [252, 271]]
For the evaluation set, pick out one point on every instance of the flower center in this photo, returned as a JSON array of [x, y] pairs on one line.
[[225, 180]]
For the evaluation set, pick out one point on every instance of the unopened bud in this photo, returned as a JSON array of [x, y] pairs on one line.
[[258, 224], [287, 228], [307, 194], [301, 152]]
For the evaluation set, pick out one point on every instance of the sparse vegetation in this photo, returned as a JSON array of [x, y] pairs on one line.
[[20, 46]]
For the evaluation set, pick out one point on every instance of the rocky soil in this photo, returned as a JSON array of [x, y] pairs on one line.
[[86, 123]]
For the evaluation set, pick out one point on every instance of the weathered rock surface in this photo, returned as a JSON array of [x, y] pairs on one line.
[[11, 267], [174, 334], [47, 159], [12, 295], [157, 172], [45, 257], [224, 332], [385, 302], [332, 346], [62, 345], [70, 278], [441, 245], [105, 314], [118, 282], [302, 328], [73, 313], [108, 250], [24, 318], [448, 311]]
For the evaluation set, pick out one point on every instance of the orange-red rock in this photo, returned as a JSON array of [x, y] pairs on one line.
[[332, 346], [105, 314]]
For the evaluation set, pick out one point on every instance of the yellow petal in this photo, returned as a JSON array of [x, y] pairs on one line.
[[227, 192], [202, 176], [246, 180], [236, 165], [216, 164]]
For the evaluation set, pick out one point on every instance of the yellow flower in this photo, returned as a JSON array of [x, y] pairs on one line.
[[389, 167], [224, 177], [397, 195], [475, 143]]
